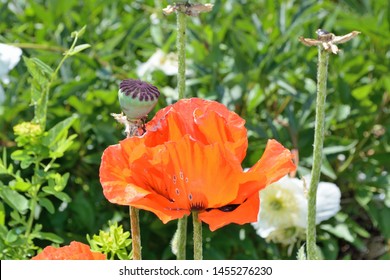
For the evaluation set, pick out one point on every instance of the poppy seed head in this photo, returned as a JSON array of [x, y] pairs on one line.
[[137, 98], [139, 89]]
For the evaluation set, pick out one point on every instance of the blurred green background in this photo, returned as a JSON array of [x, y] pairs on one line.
[[245, 54]]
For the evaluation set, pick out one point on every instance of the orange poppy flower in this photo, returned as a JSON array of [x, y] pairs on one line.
[[75, 251], [189, 159]]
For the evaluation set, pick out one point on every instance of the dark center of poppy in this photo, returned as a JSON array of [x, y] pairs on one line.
[[229, 207], [139, 89]]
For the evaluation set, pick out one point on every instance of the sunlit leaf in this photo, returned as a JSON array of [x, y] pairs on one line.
[[14, 199]]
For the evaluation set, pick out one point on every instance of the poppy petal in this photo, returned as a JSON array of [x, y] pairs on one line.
[[145, 164], [231, 132], [206, 121], [164, 209], [200, 176], [74, 251], [244, 213], [275, 162], [116, 177]]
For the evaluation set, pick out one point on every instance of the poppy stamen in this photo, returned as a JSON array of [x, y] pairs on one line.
[[198, 206]]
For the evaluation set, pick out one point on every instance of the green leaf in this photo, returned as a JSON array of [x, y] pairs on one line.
[[362, 92], [329, 246], [12, 236], [25, 159], [342, 112], [78, 49], [14, 199], [363, 195], [60, 195], [380, 214], [327, 169], [58, 132], [58, 182], [63, 197], [41, 74], [339, 149], [63, 145], [49, 236], [40, 71], [3, 163], [21, 186], [341, 231], [47, 204], [255, 97], [2, 214]]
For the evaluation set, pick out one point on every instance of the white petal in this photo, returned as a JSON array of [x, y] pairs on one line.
[[9, 57], [167, 63], [263, 228], [292, 213], [328, 201], [151, 64]]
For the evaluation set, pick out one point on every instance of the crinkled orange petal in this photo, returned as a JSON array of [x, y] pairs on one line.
[[145, 164], [137, 182], [74, 251], [200, 176], [245, 213], [206, 121], [185, 108], [172, 128], [229, 131], [116, 177], [275, 163]]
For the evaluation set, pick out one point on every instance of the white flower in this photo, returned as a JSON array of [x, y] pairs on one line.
[[283, 208], [9, 57], [167, 63]]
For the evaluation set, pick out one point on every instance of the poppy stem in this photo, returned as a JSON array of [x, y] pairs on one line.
[[181, 49], [198, 249], [322, 71], [181, 86], [181, 238], [135, 233]]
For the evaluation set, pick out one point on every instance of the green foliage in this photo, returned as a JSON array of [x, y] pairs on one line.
[[245, 54], [27, 194], [114, 243]]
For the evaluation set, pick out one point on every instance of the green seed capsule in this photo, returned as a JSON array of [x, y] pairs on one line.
[[137, 98]]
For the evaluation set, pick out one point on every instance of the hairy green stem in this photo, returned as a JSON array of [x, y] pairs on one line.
[[198, 249], [181, 49], [135, 233], [181, 86], [323, 57], [181, 238]]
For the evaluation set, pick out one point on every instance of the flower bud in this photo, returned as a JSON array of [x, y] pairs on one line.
[[137, 98]]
